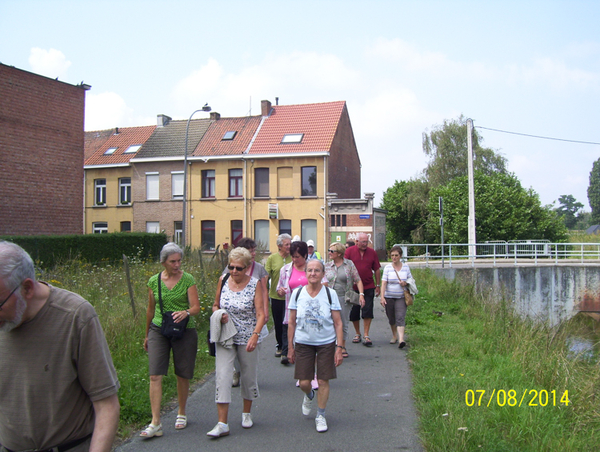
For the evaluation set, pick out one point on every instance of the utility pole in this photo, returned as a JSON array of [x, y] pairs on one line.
[[472, 236]]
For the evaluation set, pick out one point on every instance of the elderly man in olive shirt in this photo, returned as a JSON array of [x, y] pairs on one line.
[[58, 385]]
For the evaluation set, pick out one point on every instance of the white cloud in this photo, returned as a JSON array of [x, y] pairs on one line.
[[299, 77], [107, 110], [51, 63]]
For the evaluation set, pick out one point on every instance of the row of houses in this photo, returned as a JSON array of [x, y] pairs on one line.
[[293, 169], [205, 182]]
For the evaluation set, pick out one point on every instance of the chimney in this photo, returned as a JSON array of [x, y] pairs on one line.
[[162, 120], [214, 116], [369, 195], [265, 107]]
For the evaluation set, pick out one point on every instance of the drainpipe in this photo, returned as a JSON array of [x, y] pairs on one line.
[[325, 219]]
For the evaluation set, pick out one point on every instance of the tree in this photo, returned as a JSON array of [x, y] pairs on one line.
[[504, 210], [406, 211], [446, 146], [568, 209], [594, 192]]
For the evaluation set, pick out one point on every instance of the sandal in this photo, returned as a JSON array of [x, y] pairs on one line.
[[356, 339], [181, 422], [151, 431], [393, 340], [345, 353], [367, 342]]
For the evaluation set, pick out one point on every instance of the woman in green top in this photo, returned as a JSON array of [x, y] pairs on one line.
[[273, 266], [179, 295]]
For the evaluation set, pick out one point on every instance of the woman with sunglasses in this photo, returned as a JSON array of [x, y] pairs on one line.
[[240, 301], [342, 276]]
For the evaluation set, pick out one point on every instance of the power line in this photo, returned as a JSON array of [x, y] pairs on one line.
[[537, 136]]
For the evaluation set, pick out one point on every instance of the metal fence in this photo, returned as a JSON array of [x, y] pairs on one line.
[[496, 252]]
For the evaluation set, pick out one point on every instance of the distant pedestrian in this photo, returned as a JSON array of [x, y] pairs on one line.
[[273, 266], [315, 324], [350, 243], [367, 263], [312, 254], [393, 281]]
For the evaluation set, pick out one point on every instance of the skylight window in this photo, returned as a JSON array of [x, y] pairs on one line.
[[133, 149], [292, 138], [110, 151], [229, 135]]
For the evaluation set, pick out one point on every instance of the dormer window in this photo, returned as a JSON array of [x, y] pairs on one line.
[[229, 135], [110, 151], [132, 149], [292, 138]]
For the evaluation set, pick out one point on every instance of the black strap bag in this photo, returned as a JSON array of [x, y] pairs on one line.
[[169, 327]]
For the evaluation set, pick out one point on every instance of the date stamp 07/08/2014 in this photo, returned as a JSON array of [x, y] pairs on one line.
[[513, 398]]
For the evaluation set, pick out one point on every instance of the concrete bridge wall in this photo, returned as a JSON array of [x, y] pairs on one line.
[[547, 293]]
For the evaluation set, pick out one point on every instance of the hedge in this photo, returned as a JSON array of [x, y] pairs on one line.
[[49, 250]]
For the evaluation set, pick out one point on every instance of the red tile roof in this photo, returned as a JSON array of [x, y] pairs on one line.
[[318, 123], [212, 142], [95, 139], [126, 137]]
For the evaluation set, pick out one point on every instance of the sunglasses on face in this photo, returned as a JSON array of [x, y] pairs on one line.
[[235, 267]]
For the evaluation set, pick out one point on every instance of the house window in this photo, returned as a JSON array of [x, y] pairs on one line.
[[132, 149], [292, 138], [100, 227], [285, 186], [236, 231], [235, 183], [261, 182], [208, 183], [153, 227], [309, 230], [110, 151], [208, 235], [338, 220], [99, 192], [309, 181], [177, 185], [152, 191], [230, 135], [125, 226], [285, 227], [178, 228], [261, 233], [125, 190]]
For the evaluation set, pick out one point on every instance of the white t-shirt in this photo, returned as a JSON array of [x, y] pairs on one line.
[[393, 289], [314, 323]]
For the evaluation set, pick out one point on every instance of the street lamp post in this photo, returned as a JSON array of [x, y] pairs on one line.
[[185, 165]]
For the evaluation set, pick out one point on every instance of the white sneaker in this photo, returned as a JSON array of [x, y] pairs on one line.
[[247, 420], [219, 430], [321, 423], [236, 379], [307, 404]]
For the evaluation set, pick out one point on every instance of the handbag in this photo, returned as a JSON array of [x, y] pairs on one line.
[[169, 327], [212, 348], [408, 297], [352, 297]]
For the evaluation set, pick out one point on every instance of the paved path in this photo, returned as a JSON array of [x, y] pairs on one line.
[[370, 407]]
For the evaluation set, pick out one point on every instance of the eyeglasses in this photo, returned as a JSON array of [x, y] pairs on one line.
[[232, 267], [332, 251], [9, 295]]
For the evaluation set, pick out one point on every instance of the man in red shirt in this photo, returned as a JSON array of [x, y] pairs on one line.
[[367, 263]]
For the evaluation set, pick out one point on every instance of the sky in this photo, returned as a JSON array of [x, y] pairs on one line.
[[403, 67]]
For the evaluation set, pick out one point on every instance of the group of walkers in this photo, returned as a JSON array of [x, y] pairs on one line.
[[312, 304]]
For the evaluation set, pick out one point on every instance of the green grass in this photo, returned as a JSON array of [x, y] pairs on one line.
[[105, 287], [478, 344]]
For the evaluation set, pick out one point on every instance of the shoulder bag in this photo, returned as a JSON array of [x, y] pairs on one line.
[[169, 327], [408, 297]]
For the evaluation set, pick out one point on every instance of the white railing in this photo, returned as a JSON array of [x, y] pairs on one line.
[[501, 252]]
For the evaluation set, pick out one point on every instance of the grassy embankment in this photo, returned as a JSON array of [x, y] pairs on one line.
[[525, 370]]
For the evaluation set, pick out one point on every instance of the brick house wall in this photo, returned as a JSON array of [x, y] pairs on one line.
[[41, 154], [344, 162], [166, 210]]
